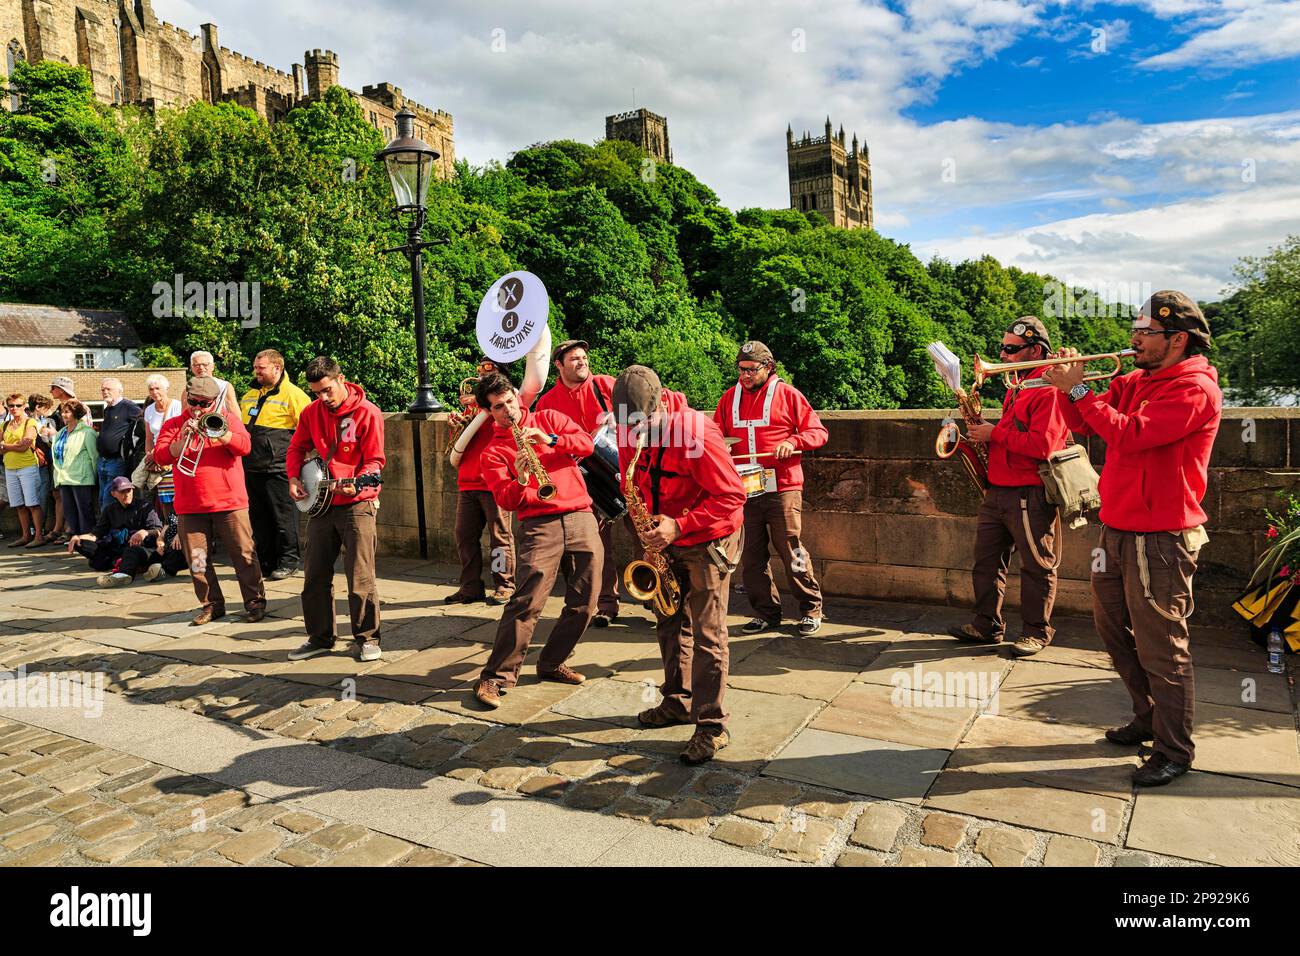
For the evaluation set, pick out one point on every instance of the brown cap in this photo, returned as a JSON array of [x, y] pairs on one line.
[[1031, 329], [203, 386], [566, 346], [754, 352], [1174, 310], [637, 389]]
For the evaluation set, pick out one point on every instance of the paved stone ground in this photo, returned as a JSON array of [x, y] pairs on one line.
[[213, 749]]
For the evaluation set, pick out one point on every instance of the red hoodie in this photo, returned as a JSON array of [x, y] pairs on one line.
[[1032, 426], [350, 438], [1159, 428], [218, 482], [579, 403], [560, 462], [469, 473], [790, 418], [697, 481]]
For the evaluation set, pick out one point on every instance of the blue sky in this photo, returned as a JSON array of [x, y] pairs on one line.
[[1169, 154]]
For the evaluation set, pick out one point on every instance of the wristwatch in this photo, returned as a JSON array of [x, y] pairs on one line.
[[554, 440], [1078, 392]]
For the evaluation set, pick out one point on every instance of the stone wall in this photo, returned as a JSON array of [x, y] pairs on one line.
[[885, 519]]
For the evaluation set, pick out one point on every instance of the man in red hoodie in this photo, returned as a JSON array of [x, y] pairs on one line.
[[1159, 424], [477, 509], [213, 502], [688, 485], [347, 431], [773, 421], [556, 526], [1015, 513]]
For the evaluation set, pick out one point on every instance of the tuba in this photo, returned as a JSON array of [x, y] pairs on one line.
[[211, 425], [651, 579]]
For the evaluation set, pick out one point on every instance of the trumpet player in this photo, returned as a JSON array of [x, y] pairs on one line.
[[211, 498], [686, 481], [476, 509], [1015, 513], [531, 466], [1159, 424]]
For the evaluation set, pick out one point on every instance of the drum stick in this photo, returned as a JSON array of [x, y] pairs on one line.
[[762, 454]]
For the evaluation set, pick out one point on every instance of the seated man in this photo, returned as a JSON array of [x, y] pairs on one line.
[[124, 542]]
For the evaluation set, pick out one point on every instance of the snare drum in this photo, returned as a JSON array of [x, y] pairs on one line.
[[756, 478]]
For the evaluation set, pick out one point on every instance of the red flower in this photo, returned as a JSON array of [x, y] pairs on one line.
[[1295, 578], [1271, 533], [1285, 572]]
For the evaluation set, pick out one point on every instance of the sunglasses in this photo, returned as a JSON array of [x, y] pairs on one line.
[[1155, 331], [749, 369], [15, 406], [1013, 349], [199, 402]]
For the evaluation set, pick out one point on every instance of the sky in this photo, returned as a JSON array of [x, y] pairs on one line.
[[1118, 146]]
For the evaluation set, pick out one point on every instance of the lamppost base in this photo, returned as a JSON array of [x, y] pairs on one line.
[[425, 403]]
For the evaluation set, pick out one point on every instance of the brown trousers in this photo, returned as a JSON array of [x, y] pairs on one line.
[[777, 517], [476, 510], [197, 531], [1151, 653], [544, 543], [693, 642], [352, 529], [999, 528]]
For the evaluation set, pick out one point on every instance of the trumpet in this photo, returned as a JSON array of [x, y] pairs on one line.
[[533, 467], [212, 425], [986, 370]]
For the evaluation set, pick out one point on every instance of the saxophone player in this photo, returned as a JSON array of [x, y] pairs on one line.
[[1015, 513], [540, 480], [685, 482]]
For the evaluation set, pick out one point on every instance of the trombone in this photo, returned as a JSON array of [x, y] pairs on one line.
[[212, 425], [987, 370]]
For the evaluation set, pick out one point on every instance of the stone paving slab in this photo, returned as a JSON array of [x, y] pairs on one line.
[[1223, 820], [876, 768], [1246, 743], [1063, 694], [995, 797], [662, 847], [881, 713]]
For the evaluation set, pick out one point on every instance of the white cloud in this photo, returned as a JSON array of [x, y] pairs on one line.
[[1240, 33]]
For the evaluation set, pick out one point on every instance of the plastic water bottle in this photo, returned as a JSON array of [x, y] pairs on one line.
[[1275, 650]]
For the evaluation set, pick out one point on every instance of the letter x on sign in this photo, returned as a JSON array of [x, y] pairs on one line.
[[510, 293]]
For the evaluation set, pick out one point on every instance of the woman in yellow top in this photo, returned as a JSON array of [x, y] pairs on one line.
[[22, 473]]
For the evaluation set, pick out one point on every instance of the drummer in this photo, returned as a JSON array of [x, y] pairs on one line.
[[773, 424], [588, 400]]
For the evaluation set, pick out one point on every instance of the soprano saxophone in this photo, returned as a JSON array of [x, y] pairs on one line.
[[651, 579], [533, 467]]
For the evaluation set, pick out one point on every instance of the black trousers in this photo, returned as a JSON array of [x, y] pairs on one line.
[[274, 518], [104, 554]]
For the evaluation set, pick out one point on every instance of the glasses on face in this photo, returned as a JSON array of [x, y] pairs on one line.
[[485, 368], [199, 402], [749, 369], [1165, 332], [1013, 349], [15, 407]]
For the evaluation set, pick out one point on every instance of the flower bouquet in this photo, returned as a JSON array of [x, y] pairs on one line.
[[1272, 596]]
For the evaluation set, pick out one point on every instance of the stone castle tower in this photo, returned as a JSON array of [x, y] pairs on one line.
[[645, 129], [133, 57], [828, 178]]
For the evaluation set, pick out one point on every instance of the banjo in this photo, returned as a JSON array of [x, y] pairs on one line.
[[320, 487]]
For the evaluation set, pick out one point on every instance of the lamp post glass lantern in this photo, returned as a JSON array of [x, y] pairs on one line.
[[409, 161]]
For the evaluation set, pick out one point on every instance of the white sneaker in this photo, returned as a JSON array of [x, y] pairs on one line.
[[113, 580], [369, 652], [153, 572], [810, 625]]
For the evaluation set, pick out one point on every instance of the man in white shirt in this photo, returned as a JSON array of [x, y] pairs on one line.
[[202, 363]]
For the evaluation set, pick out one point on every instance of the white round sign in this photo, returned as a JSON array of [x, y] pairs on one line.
[[512, 316]]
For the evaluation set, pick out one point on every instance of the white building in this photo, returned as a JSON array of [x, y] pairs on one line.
[[50, 337]]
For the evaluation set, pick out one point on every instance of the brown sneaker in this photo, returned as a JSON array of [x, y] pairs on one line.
[[460, 597], [488, 693], [659, 717], [500, 596], [253, 615], [1027, 646], [563, 674], [207, 615], [971, 635], [704, 746]]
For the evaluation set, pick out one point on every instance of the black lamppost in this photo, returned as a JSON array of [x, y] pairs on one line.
[[410, 164]]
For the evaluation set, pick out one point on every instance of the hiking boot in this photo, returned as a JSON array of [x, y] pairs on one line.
[[207, 615], [704, 746], [488, 693], [153, 572], [1028, 646], [971, 635], [1158, 771], [254, 614], [758, 626], [1129, 735], [460, 597], [282, 572], [660, 717], [308, 649], [369, 651], [116, 580], [810, 625], [500, 596], [563, 674]]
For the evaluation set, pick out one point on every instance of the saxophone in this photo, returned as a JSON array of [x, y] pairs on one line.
[[533, 467], [651, 579]]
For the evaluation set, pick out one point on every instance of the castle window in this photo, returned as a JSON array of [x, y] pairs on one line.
[[803, 203], [814, 200]]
